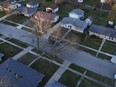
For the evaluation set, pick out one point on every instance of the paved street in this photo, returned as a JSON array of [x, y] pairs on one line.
[[76, 56]]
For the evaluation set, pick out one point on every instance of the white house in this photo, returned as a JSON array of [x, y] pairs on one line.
[[103, 32], [32, 4], [76, 13], [54, 8], [74, 24]]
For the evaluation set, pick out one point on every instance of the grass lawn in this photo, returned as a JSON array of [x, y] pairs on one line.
[[26, 29], [102, 56], [27, 58], [17, 18], [65, 9], [93, 42], [77, 68], [31, 24], [69, 79], [38, 51], [106, 47], [8, 50], [88, 83], [22, 44], [91, 2], [57, 59], [45, 67], [2, 14], [8, 23], [96, 17], [101, 78]]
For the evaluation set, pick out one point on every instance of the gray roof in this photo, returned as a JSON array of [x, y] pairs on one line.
[[19, 75], [79, 24], [33, 3], [55, 84], [27, 10], [90, 18], [1, 55], [103, 30], [78, 11]]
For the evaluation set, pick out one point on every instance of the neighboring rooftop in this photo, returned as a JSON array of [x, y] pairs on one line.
[[79, 24], [55, 84], [16, 74], [77, 11], [103, 30]]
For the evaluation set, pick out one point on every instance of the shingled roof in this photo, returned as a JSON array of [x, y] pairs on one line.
[[79, 24], [103, 30], [45, 16], [77, 11], [18, 75], [55, 84]]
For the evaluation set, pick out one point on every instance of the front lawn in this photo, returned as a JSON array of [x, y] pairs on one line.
[[88, 83], [22, 44], [17, 18], [27, 58], [91, 2], [69, 79], [101, 78], [2, 14], [9, 50], [77, 68], [45, 67]]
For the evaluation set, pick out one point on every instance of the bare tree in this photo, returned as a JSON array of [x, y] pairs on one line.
[[41, 27]]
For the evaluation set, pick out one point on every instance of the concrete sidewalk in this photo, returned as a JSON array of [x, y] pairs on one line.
[[73, 55]]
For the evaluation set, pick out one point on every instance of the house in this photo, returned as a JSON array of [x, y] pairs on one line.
[[46, 16], [89, 21], [32, 4], [76, 13], [12, 1], [7, 7], [16, 74], [53, 9], [27, 11], [74, 24], [80, 1], [103, 32], [1, 55], [55, 84]]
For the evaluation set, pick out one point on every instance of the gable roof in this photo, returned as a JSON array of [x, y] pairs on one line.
[[45, 16], [75, 22], [5, 4], [77, 11], [27, 10], [103, 30], [19, 75], [55, 84]]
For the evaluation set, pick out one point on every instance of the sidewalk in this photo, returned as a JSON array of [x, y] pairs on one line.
[[76, 56], [59, 72]]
